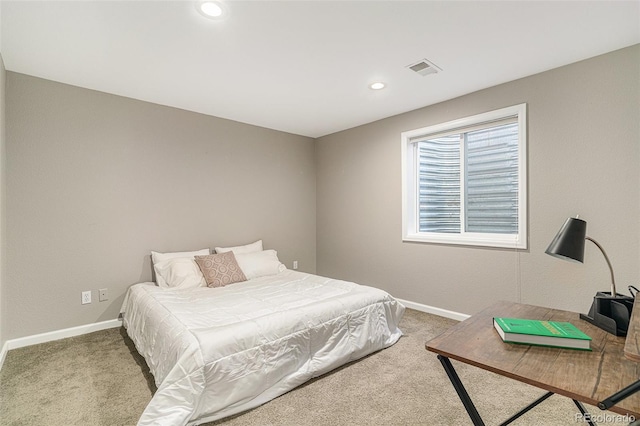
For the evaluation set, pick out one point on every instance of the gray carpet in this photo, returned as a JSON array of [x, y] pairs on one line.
[[99, 379]]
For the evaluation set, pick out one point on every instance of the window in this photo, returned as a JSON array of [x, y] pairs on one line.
[[464, 182]]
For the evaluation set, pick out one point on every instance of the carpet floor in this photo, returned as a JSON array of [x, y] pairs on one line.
[[99, 379]]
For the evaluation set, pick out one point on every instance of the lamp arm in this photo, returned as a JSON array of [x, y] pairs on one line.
[[613, 281]]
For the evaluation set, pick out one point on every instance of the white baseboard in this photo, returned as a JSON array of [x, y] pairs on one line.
[[56, 335], [3, 353], [433, 310], [90, 328]]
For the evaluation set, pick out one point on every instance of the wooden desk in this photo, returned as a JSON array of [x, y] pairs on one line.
[[584, 376]]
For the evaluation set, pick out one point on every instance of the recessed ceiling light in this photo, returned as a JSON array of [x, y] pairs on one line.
[[212, 9], [378, 85]]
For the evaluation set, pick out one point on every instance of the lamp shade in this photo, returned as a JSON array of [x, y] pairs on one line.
[[569, 242]]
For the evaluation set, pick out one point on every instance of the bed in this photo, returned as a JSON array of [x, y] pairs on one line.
[[215, 352]]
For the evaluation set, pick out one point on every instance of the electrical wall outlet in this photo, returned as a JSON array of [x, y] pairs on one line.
[[103, 294], [295, 264], [86, 297]]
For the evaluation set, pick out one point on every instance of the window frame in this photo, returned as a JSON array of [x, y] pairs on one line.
[[410, 198]]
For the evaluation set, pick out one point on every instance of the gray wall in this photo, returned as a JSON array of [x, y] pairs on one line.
[[96, 181], [584, 152]]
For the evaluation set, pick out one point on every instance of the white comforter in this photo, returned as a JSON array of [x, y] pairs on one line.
[[215, 352]]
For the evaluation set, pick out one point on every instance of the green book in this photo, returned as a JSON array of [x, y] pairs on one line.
[[541, 333]]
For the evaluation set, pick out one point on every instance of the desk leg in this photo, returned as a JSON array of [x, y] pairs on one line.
[[584, 412], [527, 408], [462, 392], [473, 412]]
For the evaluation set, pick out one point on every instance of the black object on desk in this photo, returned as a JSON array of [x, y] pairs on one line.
[[610, 313]]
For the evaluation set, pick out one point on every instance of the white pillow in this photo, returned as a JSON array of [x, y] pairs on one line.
[[249, 248], [160, 257], [259, 264], [180, 272]]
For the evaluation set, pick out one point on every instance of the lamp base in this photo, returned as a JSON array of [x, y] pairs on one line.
[[610, 313]]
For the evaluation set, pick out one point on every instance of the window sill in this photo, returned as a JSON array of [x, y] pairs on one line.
[[475, 240]]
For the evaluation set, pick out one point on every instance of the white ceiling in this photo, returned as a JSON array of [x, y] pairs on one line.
[[304, 66]]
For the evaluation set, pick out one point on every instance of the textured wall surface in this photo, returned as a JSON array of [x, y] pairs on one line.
[[583, 152], [94, 182], [97, 181]]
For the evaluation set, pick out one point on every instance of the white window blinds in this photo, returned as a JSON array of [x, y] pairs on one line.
[[439, 184], [492, 180]]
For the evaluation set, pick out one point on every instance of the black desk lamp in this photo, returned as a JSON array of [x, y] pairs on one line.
[[610, 311]]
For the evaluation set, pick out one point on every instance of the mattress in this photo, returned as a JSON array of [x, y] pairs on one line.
[[215, 352]]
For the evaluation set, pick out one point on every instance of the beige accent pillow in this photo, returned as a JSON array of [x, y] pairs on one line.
[[220, 269]]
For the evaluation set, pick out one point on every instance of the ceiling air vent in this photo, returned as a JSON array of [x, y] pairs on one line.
[[424, 67]]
